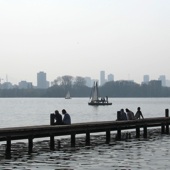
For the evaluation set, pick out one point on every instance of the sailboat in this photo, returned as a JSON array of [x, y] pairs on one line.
[[68, 95], [94, 98]]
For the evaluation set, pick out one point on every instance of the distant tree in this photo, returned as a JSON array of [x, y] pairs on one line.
[[64, 81], [79, 81], [67, 81], [57, 81], [55, 91]]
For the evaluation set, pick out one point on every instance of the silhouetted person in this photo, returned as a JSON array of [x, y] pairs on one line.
[[123, 114], [139, 114], [119, 116], [67, 118], [103, 100], [130, 115], [57, 118]]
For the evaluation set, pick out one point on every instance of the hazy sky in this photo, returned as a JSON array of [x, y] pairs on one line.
[[127, 38]]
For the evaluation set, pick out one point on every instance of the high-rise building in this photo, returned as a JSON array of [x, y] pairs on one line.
[[42, 83], [162, 78], [110, 77], [168, 83], [102, 77], [6, 85], [146, 79], [24, 85], [88, 81]]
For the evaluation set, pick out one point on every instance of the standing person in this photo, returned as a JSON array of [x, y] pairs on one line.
[[58, 118], [139, 114], [130, 115], [67, 118]]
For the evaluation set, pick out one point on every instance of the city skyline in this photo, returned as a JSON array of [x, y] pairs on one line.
[[126, 38], [43, 82]]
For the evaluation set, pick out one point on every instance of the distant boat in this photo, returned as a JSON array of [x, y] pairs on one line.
[[68, 95], [94, 98]]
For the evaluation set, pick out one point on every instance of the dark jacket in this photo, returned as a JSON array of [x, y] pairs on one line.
[[58, 119]]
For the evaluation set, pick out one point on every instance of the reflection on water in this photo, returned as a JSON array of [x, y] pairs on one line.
[[151, 153]]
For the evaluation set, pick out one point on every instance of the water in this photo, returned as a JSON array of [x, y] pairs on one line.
[[151, 153]]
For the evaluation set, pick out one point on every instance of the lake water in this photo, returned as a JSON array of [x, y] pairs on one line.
[[150, 153]]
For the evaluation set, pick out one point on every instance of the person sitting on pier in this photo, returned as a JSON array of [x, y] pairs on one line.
[[58, 118], [119, 116], [67, 118], [123, 114], [130, 115], [139, 114]]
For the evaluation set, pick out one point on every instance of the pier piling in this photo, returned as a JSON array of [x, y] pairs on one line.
[[8, 148], [145, 131], [73, 140], [52, 143], [107, 136], [137, 132], [87, 138], [119, 134], [30, 144], [167, 125]]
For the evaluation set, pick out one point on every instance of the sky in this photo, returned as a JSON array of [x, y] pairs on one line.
[[126, 38]]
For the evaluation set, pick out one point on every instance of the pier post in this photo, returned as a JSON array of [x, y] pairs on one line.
[[52, 119], [8, 148], [162, 128], [137, 132], [52, 143], [87, 138], [145, 131], [30, 144], [108, 136], [59, 144], [73, 140], [118, 134], [167, 124]]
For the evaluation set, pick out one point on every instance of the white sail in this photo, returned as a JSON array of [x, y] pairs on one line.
[[95, 95], [68, 95]]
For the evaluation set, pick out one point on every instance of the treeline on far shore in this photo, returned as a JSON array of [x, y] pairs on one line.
[[110, 89]]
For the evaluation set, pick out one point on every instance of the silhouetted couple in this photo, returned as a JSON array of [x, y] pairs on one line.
[[58, 118]]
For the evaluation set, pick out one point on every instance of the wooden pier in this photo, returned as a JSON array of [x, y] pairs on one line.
[[41, 131]]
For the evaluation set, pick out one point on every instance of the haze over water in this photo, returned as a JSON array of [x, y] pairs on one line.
[[80, 38]]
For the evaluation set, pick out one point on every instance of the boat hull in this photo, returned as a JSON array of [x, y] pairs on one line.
[[99, 104]]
